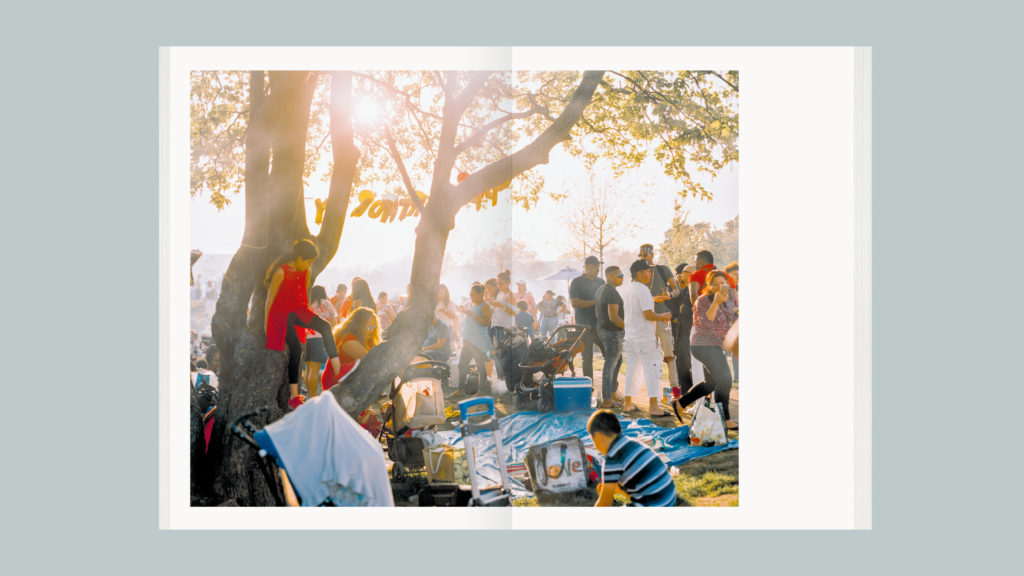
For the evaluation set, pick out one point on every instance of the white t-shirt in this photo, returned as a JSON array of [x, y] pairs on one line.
[[636, 298], [500, 317]]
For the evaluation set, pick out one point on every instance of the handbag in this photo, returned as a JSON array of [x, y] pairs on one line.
[[440, 461], [708, 427]]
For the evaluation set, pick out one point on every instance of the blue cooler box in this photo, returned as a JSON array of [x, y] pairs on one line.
[[573, 393]]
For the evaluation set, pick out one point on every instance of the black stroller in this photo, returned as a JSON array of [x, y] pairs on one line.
[[546, 360]]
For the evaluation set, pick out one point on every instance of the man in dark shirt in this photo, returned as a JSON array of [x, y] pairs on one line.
[[582, 291], [610, 330], [682, 323]]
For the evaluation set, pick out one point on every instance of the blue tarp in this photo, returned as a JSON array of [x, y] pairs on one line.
[[522, 430]]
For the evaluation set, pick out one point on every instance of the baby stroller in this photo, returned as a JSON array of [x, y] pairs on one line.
[[318, 455], [416, 403], [546, 360]]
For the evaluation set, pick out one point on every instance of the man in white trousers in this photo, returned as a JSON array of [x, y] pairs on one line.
[[640, 350]]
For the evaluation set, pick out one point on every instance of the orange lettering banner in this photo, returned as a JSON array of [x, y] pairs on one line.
[[389, 209]]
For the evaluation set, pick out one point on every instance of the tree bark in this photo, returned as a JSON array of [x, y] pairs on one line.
[[345, 156], [253, 377]]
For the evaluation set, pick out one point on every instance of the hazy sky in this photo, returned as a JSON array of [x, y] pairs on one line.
[[541, 228]]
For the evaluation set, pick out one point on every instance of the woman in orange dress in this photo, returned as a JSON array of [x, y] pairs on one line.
[[288, 313], [353, 340]]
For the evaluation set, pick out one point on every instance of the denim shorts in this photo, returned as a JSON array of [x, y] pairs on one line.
[[315, 351]]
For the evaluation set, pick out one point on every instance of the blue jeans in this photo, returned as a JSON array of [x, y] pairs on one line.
[[612, 340], [547, 326]]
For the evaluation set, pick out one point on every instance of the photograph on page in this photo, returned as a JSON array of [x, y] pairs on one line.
[[376, 256]]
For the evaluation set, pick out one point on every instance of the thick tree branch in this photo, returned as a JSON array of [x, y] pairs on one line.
[[535, 152], [476, 83], [400, 164], [345, 156], [454, 107], [475, 138]]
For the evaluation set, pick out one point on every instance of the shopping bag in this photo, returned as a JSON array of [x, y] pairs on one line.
[[557, 467], [440, 461], [419, 403], [708, 427]]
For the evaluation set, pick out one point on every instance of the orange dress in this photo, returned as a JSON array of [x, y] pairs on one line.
[[291, 297], [329, 378]]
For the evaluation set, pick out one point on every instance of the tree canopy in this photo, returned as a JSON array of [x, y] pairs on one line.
[[685, 120], [683, 240]]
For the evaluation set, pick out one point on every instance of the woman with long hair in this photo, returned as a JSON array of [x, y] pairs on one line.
[[361, 295], [354, 339], [713, 314], [447, 312], [288, 312]]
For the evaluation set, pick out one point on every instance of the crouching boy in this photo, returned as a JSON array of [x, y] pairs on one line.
[[630, 467]]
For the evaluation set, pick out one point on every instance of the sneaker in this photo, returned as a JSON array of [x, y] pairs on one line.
[[297, 401]]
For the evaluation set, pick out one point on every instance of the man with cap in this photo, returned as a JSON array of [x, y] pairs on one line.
[[640, 347], [582, 292], [663, 288]]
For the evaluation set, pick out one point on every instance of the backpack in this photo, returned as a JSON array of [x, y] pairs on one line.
[[472, 383]]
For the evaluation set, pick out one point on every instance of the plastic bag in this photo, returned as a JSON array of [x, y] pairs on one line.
[[708, 427]]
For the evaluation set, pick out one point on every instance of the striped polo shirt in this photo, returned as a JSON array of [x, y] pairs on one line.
[[639, 472]]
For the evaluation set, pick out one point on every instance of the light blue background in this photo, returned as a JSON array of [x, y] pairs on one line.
[[80, 136]]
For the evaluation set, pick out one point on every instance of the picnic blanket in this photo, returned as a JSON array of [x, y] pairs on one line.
[[522, 430]]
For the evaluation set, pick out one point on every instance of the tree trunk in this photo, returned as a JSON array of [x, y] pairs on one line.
[[253, 377]]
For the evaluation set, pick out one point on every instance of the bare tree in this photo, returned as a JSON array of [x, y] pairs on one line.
[[601, 215]]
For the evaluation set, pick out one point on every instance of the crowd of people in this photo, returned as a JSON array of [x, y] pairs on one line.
[[658, 316]]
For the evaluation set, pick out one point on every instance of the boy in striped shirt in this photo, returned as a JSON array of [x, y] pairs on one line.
[[630, 467]]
